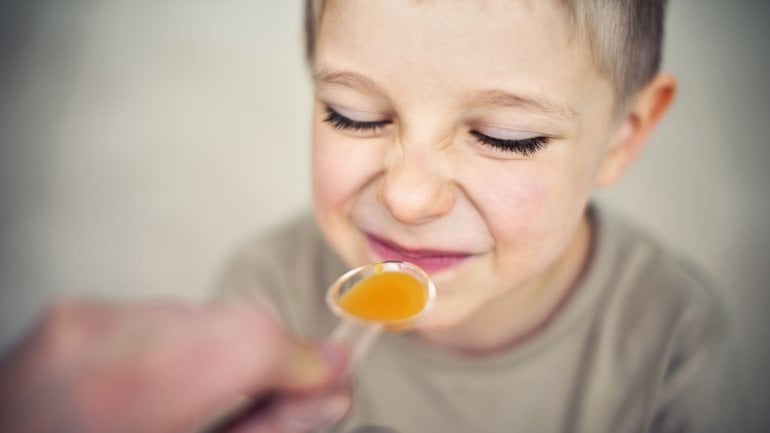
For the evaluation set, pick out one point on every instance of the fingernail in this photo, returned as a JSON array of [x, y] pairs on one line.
[[314, 413]]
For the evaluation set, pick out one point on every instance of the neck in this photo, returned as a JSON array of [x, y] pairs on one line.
[[507, 321]]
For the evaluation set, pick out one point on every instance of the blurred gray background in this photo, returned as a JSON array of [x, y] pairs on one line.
[[141, 141]]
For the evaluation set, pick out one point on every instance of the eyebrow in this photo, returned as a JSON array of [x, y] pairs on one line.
[[496, 97], [530, 103], [349, 79]]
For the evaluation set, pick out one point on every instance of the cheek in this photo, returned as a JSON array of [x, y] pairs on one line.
[[530, 209], [511, 200], [342, 167]]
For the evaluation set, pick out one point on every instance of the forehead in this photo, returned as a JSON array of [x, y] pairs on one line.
[[465, 45]]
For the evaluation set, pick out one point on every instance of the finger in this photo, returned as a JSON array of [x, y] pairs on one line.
[[193, 363], [312, 365], [161, 366], [298, 414], [269, 356]]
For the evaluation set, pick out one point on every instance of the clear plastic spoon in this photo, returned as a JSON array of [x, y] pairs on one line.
[[359, 327], [356, 331]]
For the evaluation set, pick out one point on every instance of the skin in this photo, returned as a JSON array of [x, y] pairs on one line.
[[514, 223], [167, 367], [509, 229]]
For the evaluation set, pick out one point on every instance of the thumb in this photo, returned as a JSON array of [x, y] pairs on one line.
[[307, 394], [270, 358], [311, 366], [297, 414]]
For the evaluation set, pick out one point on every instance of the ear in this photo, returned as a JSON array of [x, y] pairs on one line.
[[638, 121]]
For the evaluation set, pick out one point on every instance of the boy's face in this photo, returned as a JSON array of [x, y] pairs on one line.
[[462, 136]]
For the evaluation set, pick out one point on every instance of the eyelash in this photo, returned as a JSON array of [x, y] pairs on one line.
[[524, 147], [338, 121]]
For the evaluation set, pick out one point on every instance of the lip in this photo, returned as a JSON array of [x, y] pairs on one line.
[[431, 261]]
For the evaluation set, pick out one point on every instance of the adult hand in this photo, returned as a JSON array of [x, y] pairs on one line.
[[167, 367]]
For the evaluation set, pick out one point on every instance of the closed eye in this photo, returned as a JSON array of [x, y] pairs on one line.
[[338, 121], [524, 147]]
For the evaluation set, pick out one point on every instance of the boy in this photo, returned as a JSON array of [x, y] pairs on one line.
[[467, 137]]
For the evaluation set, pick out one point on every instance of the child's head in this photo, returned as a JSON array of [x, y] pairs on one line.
[[467, 136], [625, 37]]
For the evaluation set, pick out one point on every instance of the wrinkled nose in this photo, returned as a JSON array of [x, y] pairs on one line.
[[415, 189]]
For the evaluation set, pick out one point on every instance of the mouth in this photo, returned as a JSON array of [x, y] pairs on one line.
[[431, 261]]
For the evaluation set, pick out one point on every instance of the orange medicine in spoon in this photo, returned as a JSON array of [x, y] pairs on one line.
[[385, 297]]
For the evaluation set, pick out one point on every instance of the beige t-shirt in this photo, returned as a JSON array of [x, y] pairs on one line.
[[637, 348]]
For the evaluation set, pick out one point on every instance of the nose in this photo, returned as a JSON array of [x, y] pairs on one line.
[[415, 189]]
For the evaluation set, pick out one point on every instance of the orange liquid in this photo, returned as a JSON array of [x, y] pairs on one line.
[[385, 297]]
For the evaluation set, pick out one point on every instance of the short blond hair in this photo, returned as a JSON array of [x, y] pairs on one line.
[[625, 37]]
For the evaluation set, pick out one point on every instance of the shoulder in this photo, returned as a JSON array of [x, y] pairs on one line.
[[663, 319], [267, 256], [289, 267], [654, 283]]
